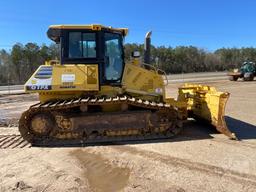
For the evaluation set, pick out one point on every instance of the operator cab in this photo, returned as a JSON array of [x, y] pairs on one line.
[[92, 44]]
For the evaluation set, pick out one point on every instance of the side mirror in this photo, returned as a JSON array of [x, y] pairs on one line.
[[136, 54]]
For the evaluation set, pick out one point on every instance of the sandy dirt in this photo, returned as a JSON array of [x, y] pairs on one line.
[[11, 107], [199, 159]]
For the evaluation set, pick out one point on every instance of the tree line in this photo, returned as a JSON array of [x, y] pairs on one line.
[[187, 59], [18, 64]]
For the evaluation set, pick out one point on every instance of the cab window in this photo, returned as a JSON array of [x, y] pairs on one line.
[[82, 45]]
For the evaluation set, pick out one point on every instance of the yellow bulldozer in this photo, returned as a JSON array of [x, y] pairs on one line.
[[91, 95]]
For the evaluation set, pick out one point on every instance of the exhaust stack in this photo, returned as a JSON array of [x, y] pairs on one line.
[[147, 46]]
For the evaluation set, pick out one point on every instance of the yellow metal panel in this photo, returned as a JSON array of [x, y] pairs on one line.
[[68, 26], [62, 95], [65, 78], [75, 77], [142, 81]]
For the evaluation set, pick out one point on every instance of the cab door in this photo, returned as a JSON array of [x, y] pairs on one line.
[[113, 58]]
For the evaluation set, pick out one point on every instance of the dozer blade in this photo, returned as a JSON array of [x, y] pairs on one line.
[[207, 104]]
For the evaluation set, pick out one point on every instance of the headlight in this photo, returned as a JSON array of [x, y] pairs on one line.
[[235, 70]]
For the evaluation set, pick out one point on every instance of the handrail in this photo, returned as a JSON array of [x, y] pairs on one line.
[[158, 71], [163, 74], [150, 66]]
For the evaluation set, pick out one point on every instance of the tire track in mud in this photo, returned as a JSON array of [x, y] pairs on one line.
[[187, 164], [12, 142]]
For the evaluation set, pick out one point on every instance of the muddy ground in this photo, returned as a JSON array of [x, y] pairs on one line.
[[199, 159]]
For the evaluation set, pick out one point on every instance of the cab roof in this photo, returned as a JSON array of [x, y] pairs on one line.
[[94, 27], [54, 30]]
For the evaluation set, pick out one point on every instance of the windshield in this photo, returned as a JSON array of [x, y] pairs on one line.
[[82, 45], [114, 58]]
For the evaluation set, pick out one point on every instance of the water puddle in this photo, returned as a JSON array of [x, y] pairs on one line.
[[100, 173]]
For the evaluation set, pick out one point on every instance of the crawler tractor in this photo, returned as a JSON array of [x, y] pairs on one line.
[[92, 95]]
